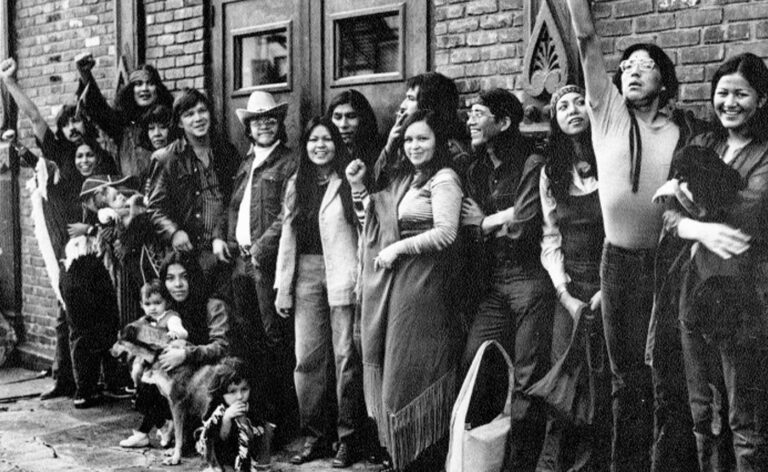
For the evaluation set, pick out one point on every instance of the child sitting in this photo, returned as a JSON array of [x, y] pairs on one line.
[[148, 399], [233, 437]]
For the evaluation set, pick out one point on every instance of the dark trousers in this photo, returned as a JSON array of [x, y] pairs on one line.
[[582, 447], [674, 445], [92, 316], [280, 358], [62, 358], [627, 291], [517, 311], [743, 371]]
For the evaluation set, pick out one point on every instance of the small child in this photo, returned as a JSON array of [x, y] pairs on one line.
[[157, 314], [148, 399], [232, 436]]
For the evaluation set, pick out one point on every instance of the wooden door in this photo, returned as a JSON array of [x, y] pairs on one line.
[[261, 45], [305, 52], [373, 46]]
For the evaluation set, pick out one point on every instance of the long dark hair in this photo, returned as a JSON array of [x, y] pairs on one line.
[[125, 102], [753, 69], [438, 93], [193, 309], [441, 157], [367, 135], [72, 112], [562, 154], [307, 190]]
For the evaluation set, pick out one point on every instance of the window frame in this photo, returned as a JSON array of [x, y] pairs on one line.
[[237, 70], [332, 49]]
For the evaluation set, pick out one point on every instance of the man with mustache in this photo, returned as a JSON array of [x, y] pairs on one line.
[[635, 133], [254, 230]]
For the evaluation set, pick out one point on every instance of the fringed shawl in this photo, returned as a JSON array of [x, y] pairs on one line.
[[411, 339]]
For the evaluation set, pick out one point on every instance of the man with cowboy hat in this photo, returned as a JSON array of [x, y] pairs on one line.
[[253, 236]]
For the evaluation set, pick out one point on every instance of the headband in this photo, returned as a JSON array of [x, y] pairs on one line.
[[564, 90]]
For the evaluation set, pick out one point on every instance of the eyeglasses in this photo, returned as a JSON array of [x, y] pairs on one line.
[[643, 64], [478, 114], [265, 121]]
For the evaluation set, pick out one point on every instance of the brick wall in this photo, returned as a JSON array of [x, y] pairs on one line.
[[175, 41], [47, 35], [480, 42]]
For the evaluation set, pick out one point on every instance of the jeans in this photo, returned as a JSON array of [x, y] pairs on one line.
[[324, 339], [743, 370], [517, 311], [627, 289]]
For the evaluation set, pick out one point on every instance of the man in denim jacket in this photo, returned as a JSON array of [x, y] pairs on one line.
[[253, 237]]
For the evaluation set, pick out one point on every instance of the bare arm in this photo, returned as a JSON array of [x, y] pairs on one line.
[[8, 69], [595, 78]]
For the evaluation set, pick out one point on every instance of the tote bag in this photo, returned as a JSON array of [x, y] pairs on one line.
[[479, 449]]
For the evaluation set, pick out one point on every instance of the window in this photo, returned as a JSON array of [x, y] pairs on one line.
[[368, 46], [262, 58]]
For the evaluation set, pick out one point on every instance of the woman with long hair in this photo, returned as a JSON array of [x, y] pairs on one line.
[[315, 280], [571, 249], [723, 303], [121, 122], [411, 338]]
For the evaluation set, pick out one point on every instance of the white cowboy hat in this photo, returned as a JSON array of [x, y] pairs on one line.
[[260, 103]]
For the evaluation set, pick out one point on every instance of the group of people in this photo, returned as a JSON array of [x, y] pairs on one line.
[[343, 285]]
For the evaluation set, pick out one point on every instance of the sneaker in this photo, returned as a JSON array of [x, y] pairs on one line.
[[137, 439], [165, 434]]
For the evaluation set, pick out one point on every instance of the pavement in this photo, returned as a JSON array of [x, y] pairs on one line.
[[47, 436]]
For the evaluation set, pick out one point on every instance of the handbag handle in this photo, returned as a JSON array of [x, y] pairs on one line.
[[461, 407]]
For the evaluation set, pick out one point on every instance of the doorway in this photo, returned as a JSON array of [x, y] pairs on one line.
[[306, 52]]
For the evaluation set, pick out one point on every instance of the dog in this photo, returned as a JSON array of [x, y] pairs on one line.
[[185, 387]]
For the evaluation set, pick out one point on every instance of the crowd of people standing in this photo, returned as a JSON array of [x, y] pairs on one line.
[[355, 278]]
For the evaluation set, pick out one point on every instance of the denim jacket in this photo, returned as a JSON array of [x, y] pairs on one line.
[[268, 189]]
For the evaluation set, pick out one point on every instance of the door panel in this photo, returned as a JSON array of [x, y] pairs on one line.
[[258, 45], [366, 28], [251, 37]]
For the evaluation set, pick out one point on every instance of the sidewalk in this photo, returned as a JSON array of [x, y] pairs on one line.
[[53, 436]]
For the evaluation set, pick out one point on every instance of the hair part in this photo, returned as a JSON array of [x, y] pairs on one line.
[[754, 71], [126, 103], [562, 153], [368, 130], [442, 156], [306, 175]]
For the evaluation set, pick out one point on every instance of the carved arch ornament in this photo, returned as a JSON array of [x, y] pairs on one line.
[[546, 66]]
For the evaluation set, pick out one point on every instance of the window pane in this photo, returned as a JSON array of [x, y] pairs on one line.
[[367, 45], [263, 59]]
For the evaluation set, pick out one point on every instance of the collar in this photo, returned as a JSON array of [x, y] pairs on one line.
[[261, 154]]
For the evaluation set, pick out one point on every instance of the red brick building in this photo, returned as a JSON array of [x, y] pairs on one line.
[[306, 51]]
